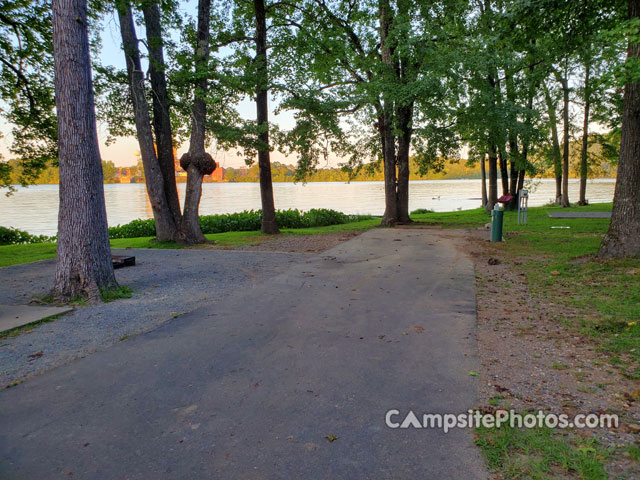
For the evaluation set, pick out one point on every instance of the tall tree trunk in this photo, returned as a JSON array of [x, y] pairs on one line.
[[521, 175], [390, 217], [197, 162], [404, 115], [485, 200], [526, 140], [269, 223], [496, 85], [404, 74], [166, 228], [565, 141], [160, 102], [555, 145], [515, 157], [623, 236], [84, 265], [494, 136], [493, 178], [504, 171], [584, 170]]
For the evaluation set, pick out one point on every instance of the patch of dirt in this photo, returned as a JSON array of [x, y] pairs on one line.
[[534, 361], [300, 243]]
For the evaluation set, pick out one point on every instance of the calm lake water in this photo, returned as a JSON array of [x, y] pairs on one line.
[[35, 209]]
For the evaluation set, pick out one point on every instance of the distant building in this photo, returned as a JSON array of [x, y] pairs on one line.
[[123, 175], [218, 173]]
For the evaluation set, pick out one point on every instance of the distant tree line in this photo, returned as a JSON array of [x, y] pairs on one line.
[[602, 164]]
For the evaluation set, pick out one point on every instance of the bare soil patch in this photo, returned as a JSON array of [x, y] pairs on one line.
[[299, 243]]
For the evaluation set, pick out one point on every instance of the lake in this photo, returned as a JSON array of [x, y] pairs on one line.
[[35, 208]]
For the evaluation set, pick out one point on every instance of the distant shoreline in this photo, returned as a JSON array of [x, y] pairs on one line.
[[181, 180]]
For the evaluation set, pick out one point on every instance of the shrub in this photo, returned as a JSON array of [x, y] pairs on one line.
[[421, 211], [13, 236], [244, 221], [135, 228]]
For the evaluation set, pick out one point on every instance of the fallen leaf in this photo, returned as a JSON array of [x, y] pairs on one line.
[[331, 438], [474, 374]]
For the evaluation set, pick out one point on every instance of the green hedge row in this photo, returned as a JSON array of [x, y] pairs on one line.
[[13, 236], [244, 221], [230, 222]]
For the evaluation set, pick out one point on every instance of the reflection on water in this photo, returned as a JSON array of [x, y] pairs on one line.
[[35, 209]]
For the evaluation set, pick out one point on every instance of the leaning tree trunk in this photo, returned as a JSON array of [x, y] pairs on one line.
[[196, 161], [584, 169], [623, 236], [565, 142], [166, 228], [161, 113], [405, 114], [269, 223], [84, 264]]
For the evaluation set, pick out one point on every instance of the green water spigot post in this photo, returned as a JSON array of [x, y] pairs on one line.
[[497, 215]]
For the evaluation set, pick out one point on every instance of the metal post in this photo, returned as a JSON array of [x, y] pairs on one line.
[[523, 206], [496, 223]]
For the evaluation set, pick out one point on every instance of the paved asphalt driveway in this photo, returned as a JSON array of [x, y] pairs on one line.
[[252, 386]]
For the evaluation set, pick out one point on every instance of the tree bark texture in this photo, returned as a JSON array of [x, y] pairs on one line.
[[166, 228], [565, 142], [160, 102], [390, 216], [493, 178], [197, 162], [269, 223], [504, 171], [483, 171], [584, 168], [404, 115], [555, 145], [83, 266], [623, 237]]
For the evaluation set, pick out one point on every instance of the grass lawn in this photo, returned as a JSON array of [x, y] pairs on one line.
[[17, 254], [541, 453]]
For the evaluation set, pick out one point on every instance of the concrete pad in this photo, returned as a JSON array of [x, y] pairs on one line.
[[13, 316], [580, 214]]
